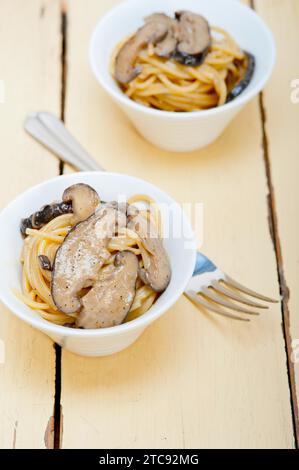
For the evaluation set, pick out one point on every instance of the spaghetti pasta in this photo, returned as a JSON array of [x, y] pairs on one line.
[[36, 282]]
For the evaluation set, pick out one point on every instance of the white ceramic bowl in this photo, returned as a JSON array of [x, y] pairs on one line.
[[182, 131], [179, 245]]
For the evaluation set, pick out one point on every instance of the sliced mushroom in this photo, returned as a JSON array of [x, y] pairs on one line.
[[193, 36], [159, 18], [167, 46], [84, 200], [156, 273], [45, 215], [44, 262], [150, 33], [82, 254], [242, 84], [109, 301]]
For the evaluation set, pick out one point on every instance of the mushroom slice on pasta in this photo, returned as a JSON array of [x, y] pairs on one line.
[[79, 199], [156, 271], [81, 256], [150, 33], [110, 299], [194, 38]]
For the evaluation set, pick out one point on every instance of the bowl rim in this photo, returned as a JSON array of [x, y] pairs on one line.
[[240, 100], [138, 323]]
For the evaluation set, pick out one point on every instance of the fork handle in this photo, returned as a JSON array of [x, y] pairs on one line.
[[50, 131]]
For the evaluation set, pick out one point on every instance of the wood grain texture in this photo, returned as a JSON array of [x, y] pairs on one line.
[[192, 379], [282, 117], [29, 66]]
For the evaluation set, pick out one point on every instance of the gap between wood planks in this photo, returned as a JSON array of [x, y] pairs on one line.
[[283, 287], [273, 227]]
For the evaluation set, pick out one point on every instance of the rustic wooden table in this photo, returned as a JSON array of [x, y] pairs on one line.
[[192, 379]]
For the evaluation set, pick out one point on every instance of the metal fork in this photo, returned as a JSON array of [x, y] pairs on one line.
[[209, 287]]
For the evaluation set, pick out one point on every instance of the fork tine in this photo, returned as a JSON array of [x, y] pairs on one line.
[[212, 295], [231, 282], [238, 297], [198, 299]]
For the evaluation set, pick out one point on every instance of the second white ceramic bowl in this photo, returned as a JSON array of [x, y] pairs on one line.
[[179, 244], [182, 131]]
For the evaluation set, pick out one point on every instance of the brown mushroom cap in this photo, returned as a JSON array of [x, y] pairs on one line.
[[81, 255], [84, 200], [186, 38], [150, 33], [109, 301], [44, 262], [159, 18], [79, 198], [166, 46], [158, 273], [246, 79], [194, 38]]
